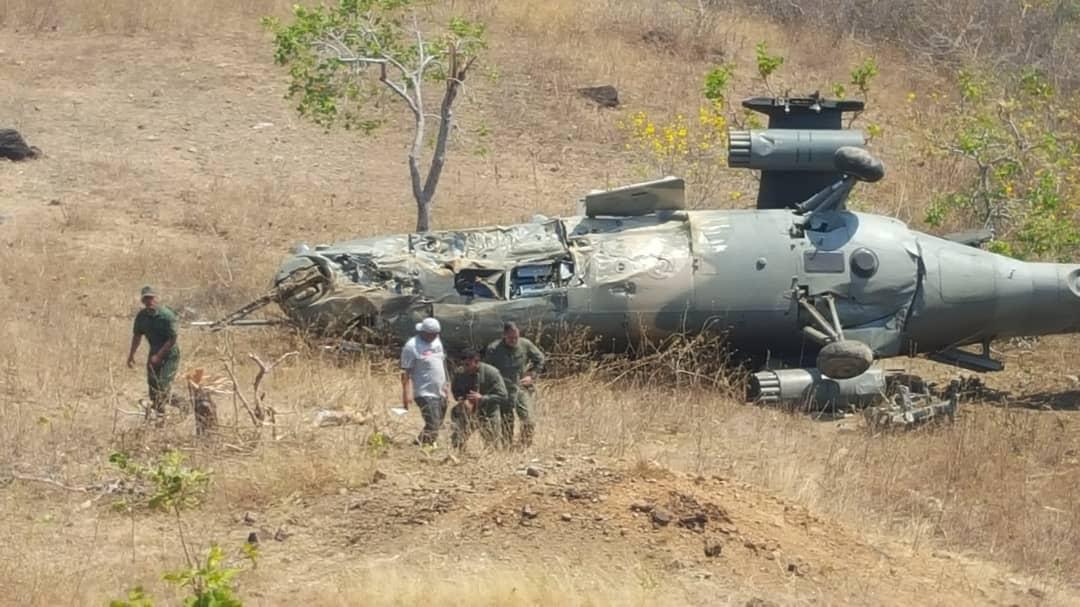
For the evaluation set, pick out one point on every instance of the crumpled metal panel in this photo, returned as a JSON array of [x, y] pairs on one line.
[[657, 252]]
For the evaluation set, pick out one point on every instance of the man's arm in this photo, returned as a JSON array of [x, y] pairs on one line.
[[536, 357], [407, 362], [135, 339], [406, 388], [536, 363], [447, 392], [163, 351], [494, 391]]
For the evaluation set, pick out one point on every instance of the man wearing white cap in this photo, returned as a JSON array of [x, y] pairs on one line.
[[423, 378]]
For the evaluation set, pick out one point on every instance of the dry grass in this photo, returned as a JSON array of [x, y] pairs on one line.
[[132, 16], [209, 228], [998, 33]]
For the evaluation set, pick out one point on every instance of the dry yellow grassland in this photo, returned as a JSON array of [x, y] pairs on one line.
[[172, 159]]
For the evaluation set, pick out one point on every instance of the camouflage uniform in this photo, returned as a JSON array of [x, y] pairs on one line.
[[489, 384], [159, 326], [513, 364]]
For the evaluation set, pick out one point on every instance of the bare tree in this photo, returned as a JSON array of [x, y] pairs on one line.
[[343, 57]]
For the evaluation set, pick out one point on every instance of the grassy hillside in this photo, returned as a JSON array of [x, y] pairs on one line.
[[171, 158]]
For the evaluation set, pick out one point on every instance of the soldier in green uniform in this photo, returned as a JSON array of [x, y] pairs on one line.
[[480, 394], [517, 359], [158, 324]]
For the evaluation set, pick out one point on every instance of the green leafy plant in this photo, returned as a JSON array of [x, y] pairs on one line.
[[342, 58], [1019, 140], [863, 75], [174, 487], [136, 597], [378, 443], [209, 583], [716, 82], [767, 64]]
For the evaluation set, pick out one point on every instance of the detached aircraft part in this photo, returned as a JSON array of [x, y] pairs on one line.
[[812, 390]]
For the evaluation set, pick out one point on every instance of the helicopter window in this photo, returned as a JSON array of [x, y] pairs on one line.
[[537, 279], [488, 284]]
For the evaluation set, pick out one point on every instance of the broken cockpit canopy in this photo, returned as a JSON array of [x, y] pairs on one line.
[[530, 279]]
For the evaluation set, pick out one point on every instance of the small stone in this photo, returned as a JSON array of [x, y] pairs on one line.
[[728, 528], [713, 549], [250, 518], [193, 150], [377, 476], [499, 521], [642, 507], [696, 521], [533, 471], [566, 517], [281, 534], [253, 538], [529, 512], [794, 568], [343, 491], [1035, 592], [661, 517], [574, 493], [560, 458]]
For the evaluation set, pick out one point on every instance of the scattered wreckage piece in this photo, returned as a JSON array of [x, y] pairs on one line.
[[217, 325], [14, 147], [330, 418], [811, 390], [887, 398], [603, 95], [907, 409]]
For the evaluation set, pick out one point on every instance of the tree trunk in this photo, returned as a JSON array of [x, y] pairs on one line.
[[423, 214]]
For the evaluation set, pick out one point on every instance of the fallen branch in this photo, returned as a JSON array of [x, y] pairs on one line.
[[49, 481], [240, 395]]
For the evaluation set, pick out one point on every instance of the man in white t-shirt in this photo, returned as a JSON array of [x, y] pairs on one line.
[[424, 378]]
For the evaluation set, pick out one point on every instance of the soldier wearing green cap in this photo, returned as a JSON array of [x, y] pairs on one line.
[[517, 359], [158, 324]]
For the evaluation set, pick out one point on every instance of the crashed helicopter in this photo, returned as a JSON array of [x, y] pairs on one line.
[[799, 279]]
